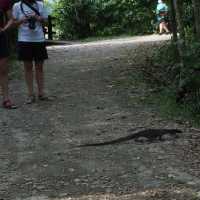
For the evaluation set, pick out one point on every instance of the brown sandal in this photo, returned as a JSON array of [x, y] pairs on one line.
[[8, 104]]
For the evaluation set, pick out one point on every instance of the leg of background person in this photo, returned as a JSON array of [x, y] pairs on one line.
[[161, 28], [165, 28], [28, 68], [4, 77], [40, 77]]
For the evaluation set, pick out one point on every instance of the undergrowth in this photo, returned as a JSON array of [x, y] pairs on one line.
[[155, 72], [163, 69]]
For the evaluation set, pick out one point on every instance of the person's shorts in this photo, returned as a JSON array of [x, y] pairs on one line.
[[161, 20], [32, 51], [4, 45]]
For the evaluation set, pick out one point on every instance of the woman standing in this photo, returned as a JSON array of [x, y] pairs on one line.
[[29, 16], [4, 53]]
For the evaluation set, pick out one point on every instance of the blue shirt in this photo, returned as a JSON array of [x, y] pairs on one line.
[[25, 34], [161, 7]]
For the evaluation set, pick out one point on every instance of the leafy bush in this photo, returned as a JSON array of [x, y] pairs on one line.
[[74, 18], [172, 76], [84, 18]]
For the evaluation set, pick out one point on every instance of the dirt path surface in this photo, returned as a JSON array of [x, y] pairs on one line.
[[39, 157]]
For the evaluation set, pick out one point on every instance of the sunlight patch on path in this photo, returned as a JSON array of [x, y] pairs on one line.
[[121, 41]]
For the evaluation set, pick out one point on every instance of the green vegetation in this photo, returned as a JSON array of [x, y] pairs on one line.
[[180, 96], [89, 18]]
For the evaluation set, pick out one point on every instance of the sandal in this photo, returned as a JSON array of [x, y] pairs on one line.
[[8, 104], [30, 99], [44, 98]]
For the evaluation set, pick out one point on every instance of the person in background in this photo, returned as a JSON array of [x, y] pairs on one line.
[[5, 13], [29, 16], [162, 13]]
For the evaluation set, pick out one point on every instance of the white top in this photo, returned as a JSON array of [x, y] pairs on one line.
[[25, 34]]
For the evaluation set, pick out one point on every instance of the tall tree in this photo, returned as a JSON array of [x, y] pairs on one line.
[[173, 21], [178, 5], [196, 5]]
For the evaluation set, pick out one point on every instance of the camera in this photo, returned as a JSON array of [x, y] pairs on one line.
[[31, 23]]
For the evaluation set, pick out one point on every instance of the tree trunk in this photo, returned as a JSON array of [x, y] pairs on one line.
[[196, 5], [178, 5], [173, 21]]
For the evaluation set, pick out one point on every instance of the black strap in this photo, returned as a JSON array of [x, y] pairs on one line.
[[30, 6]]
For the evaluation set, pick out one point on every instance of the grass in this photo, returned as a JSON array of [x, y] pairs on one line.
[[163, 100]]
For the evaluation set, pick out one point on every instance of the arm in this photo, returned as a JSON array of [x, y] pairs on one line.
[[43, 18], [157, 10], [12, 22], [166, 8], [15, 17], [17, 22], [9, 23]]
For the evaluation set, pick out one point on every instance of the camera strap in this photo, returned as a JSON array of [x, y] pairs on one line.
[[30, 6]]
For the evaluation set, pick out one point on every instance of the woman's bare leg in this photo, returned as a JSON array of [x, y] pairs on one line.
[[4, 77], [28, 68], [39, 77]]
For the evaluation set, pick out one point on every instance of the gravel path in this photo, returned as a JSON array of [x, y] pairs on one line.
[[39, 157]]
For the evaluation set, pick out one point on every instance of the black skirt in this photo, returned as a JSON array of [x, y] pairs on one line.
[[32, 51], [4, 45]]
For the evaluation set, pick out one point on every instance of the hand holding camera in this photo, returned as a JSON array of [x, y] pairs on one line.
[[23, 20], [31, 22], [38, 18]]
